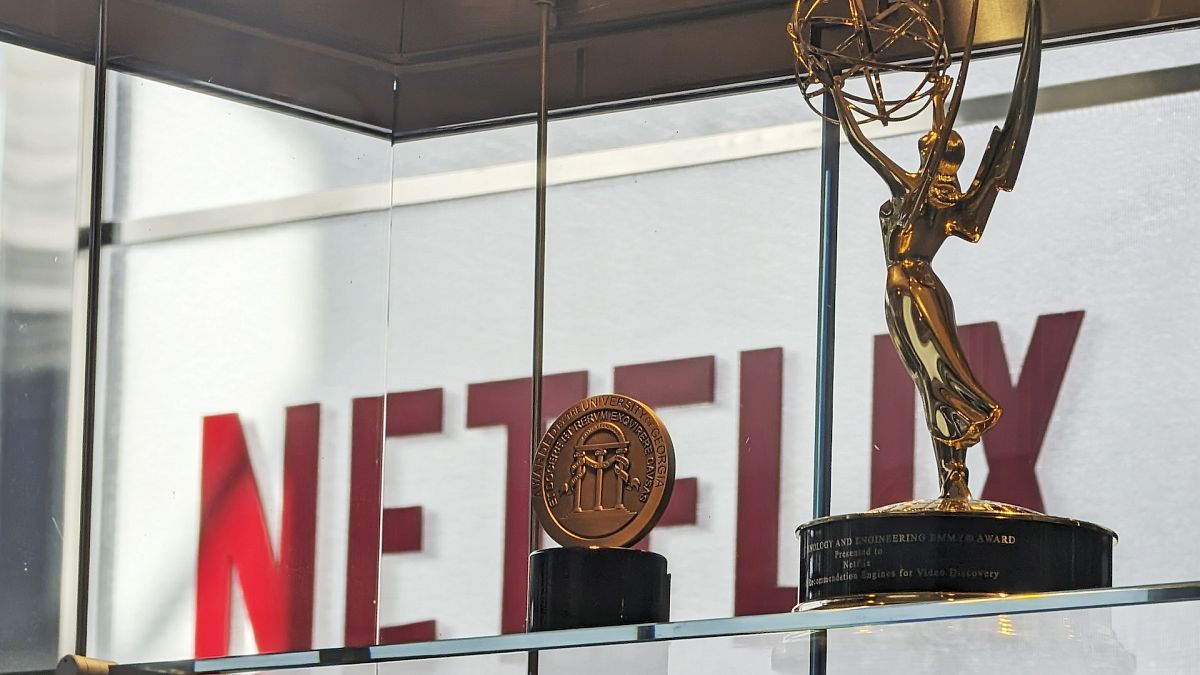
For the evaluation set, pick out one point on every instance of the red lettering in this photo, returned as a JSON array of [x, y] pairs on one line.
[[279, 591], [233, 536], [374, 530], [663, 384], [893, 409], [1013, 446], [507, 403], [760, 425], [366, 500]]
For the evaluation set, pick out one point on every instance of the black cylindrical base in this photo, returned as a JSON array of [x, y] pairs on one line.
[[870, 554], [587, 587]]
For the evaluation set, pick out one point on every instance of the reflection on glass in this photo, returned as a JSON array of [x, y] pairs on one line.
[[680, 273], [42, 193], [245, 309], [1058, 642], [459, 335]]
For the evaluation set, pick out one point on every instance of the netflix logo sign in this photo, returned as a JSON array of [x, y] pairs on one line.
[[278, 582]]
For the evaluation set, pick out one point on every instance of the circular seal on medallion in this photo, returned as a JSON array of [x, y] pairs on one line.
[[603, 473]]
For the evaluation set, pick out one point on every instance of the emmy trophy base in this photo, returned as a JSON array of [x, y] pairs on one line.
[[575, 587], [892, 557]]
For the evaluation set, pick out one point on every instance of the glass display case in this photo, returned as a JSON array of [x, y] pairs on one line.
[[282, 300], [1124, 630]]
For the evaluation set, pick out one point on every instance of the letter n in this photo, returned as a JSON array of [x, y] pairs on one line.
[[234, 537]]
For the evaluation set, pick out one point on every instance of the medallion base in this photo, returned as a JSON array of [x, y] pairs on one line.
[[575, 587], [896, 555]]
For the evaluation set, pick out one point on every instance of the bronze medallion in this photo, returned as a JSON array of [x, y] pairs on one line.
[[603, 473]]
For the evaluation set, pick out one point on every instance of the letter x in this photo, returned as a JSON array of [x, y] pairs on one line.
[[1013, 446]]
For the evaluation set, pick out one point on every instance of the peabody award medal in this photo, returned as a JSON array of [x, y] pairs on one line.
[[602, 476], [603, 473]]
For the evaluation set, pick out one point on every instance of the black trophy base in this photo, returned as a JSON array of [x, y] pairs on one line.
[[588, 587], [884, 557]]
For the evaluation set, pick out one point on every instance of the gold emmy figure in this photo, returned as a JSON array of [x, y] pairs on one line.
[[952, 547], [927, 206]]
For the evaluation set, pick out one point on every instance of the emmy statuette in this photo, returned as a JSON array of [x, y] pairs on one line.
[[953, 546]]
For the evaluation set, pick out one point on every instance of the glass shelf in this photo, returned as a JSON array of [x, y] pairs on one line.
[[790, 642]]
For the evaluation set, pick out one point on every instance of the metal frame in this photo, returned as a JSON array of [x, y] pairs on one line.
[[758, 84], [455, 77], [831, 148], [92, 329]]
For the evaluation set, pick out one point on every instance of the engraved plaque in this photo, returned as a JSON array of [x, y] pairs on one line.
[[868, 557]]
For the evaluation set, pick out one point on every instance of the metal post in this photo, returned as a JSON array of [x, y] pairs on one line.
[[91, 337], [827, 288], [539, 264], [539, 279]]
